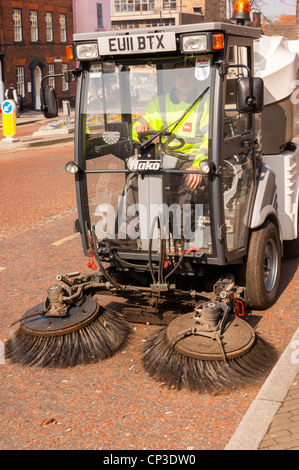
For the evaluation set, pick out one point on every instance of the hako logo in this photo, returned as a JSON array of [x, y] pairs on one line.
[[144, 165]]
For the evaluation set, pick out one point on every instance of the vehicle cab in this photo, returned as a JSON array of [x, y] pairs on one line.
[[131, 187]]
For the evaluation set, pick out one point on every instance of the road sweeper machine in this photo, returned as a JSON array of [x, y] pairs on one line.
[[187, 189]]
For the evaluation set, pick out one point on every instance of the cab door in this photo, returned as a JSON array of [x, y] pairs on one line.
[[238, 153]]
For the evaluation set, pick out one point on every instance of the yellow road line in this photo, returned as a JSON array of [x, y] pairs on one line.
[[66, 239]]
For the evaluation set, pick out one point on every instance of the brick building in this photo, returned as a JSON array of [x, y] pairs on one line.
[[33, 39], [285, 26]]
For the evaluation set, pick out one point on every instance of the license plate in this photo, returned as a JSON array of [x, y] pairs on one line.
[[137, 43]]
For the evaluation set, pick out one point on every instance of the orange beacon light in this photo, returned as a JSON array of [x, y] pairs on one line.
[[241, 12]]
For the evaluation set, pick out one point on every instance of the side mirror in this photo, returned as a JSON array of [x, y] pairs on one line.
[[49, 105], [250, 95]]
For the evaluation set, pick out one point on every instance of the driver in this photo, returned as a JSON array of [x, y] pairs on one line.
[[193, 128]]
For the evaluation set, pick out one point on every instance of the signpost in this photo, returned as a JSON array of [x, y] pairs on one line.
[[9, 110], [66, 110]]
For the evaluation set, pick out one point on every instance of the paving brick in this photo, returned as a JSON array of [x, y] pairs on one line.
[[276, 429], [291, 443], [279, 416], [281, 421], [284, 439], [294, 428], [280, 444], [290, 406], [275, 435], [267, 443], [275, 447], [293, 394]]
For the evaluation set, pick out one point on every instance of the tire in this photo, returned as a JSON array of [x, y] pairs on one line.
[[263, 266]]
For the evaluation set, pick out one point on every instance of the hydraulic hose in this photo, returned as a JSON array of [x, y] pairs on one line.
[[102, 269]]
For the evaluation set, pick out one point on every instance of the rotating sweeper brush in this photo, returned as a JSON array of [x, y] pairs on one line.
[[207, 350], [70, 328]]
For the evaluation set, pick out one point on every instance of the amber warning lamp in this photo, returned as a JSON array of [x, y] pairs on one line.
[[218, 41], [241, 12], [69, 52]]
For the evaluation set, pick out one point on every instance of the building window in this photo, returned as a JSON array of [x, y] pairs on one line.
[[121, 6], [169, 4], [62, 26], [100, 15], [20, 81], [65, 85], [17, 25], [130, 24], [33, 26], [49, 27], [51, 71], [130, 5]]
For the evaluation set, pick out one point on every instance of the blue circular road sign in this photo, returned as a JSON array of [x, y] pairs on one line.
[[7, 107]]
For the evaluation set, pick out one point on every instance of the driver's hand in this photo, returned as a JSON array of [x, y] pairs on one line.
[[193, 180], [142, 128]]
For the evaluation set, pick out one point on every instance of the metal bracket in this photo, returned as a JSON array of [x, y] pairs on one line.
[[221, 232], [247, 144]]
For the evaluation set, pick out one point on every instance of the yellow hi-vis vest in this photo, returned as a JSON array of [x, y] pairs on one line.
[[162, 112]]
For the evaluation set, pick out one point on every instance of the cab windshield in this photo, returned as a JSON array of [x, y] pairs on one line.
[[144, 131]]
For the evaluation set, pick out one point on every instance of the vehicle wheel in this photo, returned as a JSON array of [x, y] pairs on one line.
[[291, 247], [263, 266]]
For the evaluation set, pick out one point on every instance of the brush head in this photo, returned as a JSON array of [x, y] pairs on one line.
[[202, 341], [89, 334], [198, 363], [79, 315]]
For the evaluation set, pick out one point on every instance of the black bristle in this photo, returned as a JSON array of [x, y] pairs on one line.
[[95, 342], [166, 365]]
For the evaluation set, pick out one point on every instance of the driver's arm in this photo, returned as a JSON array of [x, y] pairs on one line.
[[139, 127], [142, 128], [151, 120], [194, 180]]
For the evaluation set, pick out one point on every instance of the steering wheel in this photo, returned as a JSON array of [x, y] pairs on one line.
[[144, 136]]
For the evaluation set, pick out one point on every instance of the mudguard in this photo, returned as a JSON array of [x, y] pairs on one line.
[[265, 202]]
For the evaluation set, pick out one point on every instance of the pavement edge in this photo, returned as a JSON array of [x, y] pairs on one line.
[[261, 412]]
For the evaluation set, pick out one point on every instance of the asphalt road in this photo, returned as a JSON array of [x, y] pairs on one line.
[[114, 404]]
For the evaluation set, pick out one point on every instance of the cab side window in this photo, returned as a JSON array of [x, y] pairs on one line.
[[235, 124]]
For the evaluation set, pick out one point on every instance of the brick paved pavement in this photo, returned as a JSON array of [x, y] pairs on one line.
[[283, 433]]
